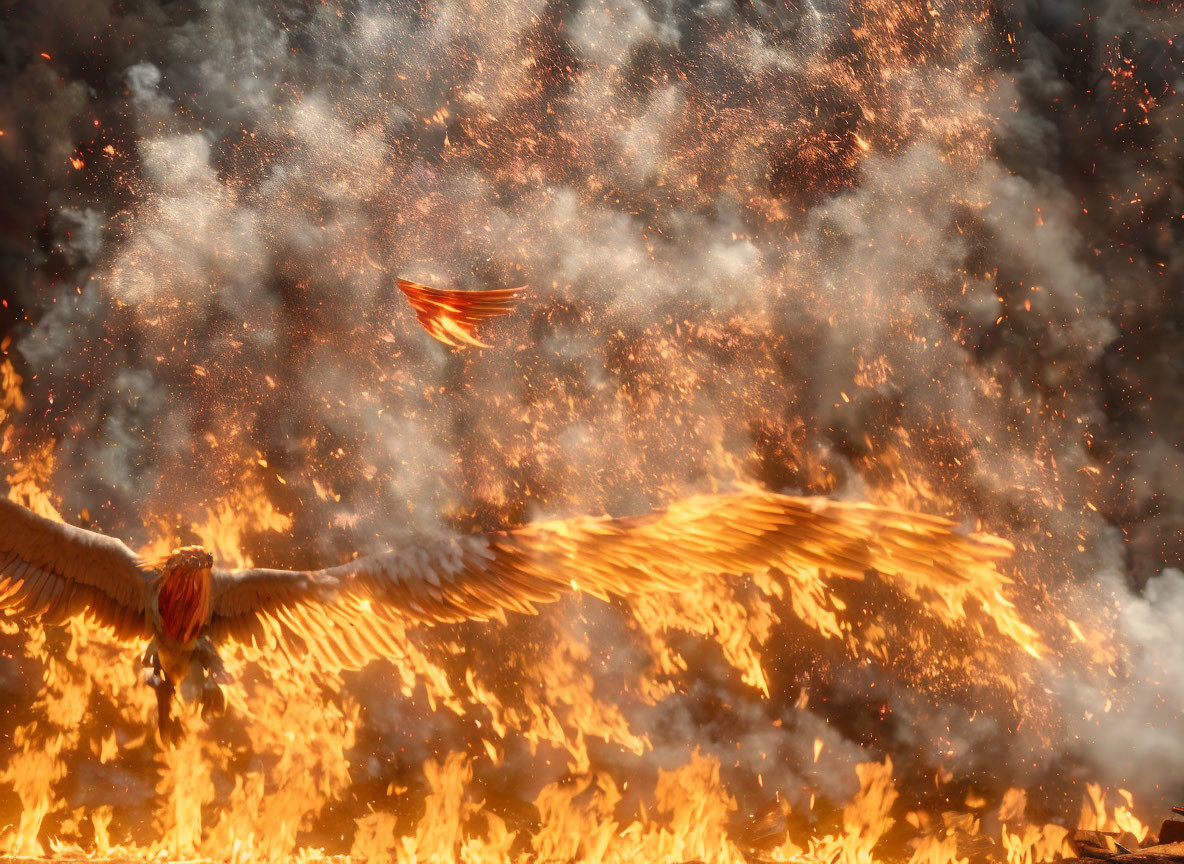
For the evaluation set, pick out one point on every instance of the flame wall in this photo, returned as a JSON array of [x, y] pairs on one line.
[[922, 253]]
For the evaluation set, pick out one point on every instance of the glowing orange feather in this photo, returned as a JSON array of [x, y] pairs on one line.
[[452, 316]]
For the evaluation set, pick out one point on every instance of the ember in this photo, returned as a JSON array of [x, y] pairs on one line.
[[907, 263]]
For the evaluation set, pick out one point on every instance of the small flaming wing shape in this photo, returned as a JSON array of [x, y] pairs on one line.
[[344, 616], [452, 316]]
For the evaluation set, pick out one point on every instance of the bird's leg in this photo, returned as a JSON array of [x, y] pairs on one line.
[[170, 728], [151, 660], [213, 700]]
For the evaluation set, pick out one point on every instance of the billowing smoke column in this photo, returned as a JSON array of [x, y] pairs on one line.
[[923, 253]]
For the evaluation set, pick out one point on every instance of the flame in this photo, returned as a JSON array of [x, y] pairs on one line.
[[307, 742], [1096, 816]]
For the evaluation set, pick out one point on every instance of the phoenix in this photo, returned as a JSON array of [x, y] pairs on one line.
[[188, 610]]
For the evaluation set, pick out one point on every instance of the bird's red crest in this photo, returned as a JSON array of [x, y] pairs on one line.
[[184, 598]]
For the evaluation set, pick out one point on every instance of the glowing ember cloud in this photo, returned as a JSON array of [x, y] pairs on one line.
[[910, 258]]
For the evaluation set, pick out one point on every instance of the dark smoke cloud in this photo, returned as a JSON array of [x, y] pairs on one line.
[[837, 247]]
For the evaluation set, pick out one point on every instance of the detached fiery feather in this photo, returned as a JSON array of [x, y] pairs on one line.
[[452, 316], [190, 610]]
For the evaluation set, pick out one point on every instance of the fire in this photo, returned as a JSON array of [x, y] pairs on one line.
[[307, 741]]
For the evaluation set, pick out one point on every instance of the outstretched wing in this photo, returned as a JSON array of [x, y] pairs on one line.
[[50, 570], [343, 614], [452, 316]]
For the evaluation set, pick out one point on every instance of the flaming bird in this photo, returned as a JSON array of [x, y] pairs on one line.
[[189, 610]]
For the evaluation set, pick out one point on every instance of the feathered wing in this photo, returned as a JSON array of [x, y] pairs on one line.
[[452, 316], [344, 614], [50, 570]]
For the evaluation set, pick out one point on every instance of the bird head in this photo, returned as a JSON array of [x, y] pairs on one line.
[[187, 559]]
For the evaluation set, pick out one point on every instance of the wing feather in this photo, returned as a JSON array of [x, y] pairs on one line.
[[348, 613], [452, 316], [46, 593], [51, 570]]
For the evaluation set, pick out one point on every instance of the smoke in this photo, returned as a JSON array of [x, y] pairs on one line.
[[915, 253]]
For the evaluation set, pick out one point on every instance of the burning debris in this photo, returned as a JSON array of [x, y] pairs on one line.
[[898, 257], [1166, 847]]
